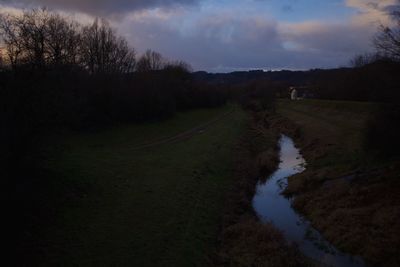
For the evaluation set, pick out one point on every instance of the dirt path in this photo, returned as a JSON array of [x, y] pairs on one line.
[[184, 135]]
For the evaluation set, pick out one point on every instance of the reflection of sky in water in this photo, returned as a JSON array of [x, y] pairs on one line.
[[270, 205]]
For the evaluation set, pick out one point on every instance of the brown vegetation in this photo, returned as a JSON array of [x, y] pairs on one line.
[[244, 240], [351, 198]]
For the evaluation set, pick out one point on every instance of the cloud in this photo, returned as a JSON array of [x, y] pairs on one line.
[[210, 41], [100, 7], [229, 41], [234, 40], [372, 12], [335, 42], [326, 45], [9, 10], [231, 35]]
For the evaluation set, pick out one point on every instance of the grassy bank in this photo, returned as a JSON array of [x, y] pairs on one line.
[[112, 204], [350, 196], [244, 239]]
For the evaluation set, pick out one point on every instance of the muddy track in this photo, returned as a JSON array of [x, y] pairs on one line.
[[184, 135]]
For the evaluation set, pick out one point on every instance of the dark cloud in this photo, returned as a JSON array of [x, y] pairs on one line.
[[100, 7], [214, 43], [229, 42], [225, 40]]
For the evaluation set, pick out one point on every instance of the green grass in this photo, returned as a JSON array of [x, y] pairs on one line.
[[338, 125], [157, 206]]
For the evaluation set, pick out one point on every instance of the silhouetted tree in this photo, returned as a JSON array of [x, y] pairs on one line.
[[11, 34], [178, 66], [387, 41], [63, 40], [41, 39], [364, 59], [103, 52], [150, 61]]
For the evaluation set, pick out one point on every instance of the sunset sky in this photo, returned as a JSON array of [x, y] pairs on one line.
[[229, 35]]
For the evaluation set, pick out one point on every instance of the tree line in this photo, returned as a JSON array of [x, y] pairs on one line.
[[39, 39], [57, 73]]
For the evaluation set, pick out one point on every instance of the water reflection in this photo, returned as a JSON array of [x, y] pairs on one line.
[[271, 206]]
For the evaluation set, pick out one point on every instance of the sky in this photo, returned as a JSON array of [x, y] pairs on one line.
[[230, 35]]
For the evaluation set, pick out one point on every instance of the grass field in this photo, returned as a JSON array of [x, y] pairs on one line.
[[349, 195], [339, 126], [156, 206]]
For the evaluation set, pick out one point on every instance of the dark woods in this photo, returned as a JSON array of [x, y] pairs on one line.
[[58, 74]]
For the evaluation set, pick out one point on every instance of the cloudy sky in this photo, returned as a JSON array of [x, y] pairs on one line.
[[228, 35]]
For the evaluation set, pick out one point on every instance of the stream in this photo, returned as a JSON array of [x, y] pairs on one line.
[[271, 206]]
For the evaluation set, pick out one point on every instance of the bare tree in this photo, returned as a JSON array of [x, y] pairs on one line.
[[387, 41], [364, 59], [151, 61], [11, 37], [1, 59], [62, 40], [124, 56], [39, 38], [32, 28], [182, 65], [42, 39], [103, 52]]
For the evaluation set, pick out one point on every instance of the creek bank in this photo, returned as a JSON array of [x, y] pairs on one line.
[[353, 204], [272, 206], [244, 240]]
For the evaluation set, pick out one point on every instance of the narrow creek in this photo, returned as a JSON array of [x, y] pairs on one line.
[[272, 206]]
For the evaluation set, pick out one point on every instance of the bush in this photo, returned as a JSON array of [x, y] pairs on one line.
[[383, 131]]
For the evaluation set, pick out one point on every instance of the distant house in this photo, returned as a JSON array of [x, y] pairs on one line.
[[293, 93], [300, 92]]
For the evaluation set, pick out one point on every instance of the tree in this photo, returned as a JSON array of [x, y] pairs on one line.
[[63, 39], [40, 38], [361, 60], [387, 41], [151, 61], [10, 34], [104, 52]]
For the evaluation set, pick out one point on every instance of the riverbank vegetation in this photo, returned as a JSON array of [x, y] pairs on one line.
[[349, 138], [244, 240], [346, 191]]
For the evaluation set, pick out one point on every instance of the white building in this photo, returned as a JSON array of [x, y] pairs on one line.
[[293, 93]]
